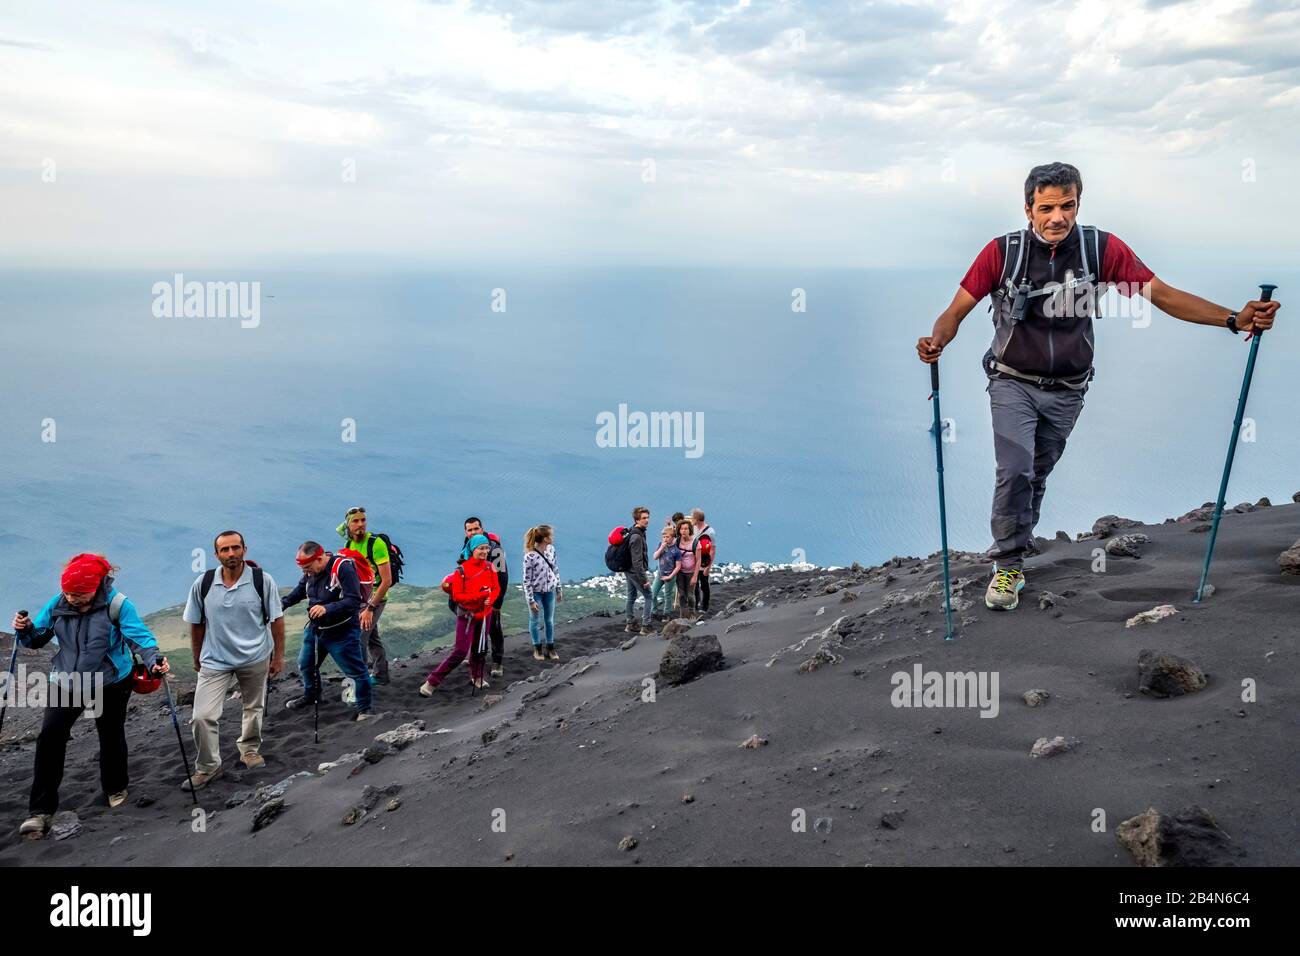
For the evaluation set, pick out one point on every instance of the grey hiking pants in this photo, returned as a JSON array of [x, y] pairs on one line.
[[1030, 428]]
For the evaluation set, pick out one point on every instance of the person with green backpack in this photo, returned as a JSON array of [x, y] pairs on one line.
[[385, 560]]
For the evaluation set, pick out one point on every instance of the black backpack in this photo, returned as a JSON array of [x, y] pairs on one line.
[[618, 556], [259, 584], [395, 559]]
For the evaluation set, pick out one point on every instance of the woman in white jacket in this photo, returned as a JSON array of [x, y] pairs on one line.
[[541, 589]]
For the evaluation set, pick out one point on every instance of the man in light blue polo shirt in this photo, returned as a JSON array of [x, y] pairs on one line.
[[237, 635]]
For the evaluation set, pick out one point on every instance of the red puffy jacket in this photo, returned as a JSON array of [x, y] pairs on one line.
[[474, 586]]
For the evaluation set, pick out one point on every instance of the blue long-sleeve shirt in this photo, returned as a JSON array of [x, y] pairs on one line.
[[89, 642]]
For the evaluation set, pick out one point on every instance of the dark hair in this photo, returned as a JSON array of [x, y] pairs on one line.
[[473, 519], [638, 511], [678, 517], [224, 534], [1052, 174], [310, 549]]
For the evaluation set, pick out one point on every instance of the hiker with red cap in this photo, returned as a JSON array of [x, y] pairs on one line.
[[333, 593], [98, 632], [474, 588]]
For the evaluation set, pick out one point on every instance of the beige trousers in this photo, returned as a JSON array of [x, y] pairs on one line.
[[209, 698]]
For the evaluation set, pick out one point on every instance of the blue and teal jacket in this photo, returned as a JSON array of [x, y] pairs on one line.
[[90, 642]]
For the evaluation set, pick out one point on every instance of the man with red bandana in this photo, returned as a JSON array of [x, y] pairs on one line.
[[97, 630], [1045, 282]]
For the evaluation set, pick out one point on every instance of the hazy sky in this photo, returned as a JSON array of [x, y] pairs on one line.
[[170, 135]]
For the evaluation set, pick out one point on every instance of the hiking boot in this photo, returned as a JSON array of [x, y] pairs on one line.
[[481, 684], [427, 689], [551, 654], [302, 700], [632, 628], [363, 715], [376, 680], [253, 761], [115, 800], [200, 780], [537, 653], [646, 628], [498, 670], [1003, 593], [34, 827]]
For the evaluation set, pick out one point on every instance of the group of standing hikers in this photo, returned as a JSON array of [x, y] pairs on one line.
[[1044, 281], [677, 583]]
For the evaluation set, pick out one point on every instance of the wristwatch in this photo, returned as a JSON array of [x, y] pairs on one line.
[[1231, 323]]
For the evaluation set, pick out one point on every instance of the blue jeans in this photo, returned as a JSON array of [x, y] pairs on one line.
[[545, 612], [636, 586], [669, 590], [344, 645]]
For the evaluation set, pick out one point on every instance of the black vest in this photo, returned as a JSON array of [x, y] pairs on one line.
[[1044, 303]]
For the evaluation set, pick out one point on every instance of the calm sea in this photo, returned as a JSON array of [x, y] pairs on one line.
[[815, 435]]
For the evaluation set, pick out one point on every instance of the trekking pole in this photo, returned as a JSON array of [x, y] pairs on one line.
[[315, 663], [9, 681], [1266, 294], [177, 725], [937, 430]]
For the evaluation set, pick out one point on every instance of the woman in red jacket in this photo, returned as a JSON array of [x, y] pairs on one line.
[[473, 586]]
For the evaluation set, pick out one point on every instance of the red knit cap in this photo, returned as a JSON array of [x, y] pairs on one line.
[[82, 574]]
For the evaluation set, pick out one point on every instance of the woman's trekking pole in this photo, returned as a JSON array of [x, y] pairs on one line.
[[177, 725], [937, 430], [315, 663], [1266, 294], [9, 680]]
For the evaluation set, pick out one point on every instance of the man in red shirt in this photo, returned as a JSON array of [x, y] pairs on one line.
[[1045, 282]]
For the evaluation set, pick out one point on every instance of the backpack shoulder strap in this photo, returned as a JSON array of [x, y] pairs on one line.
[[115, 607], [370, 549], [259, 585], [1013, 254], [205, 586]]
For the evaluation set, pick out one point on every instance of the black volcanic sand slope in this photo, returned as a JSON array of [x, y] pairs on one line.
[[579, 763]]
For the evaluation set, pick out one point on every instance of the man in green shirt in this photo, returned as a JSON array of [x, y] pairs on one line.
[[359, 539]]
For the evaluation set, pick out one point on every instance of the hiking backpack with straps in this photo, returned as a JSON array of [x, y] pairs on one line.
[[395, 558], [618, 556], [210, 576]]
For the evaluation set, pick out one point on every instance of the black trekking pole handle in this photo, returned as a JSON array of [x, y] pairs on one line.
[[934, 376]]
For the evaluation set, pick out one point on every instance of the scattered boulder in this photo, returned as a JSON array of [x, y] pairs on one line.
[[267, 812], [1263, 503], [1044, 747], [627, 843], [628, 644], [352, 816], [277, 790], [738, 626], [1127, 545], [340, 762], [679, 625], [1289, 560], [393, 804], [754, 742], [892, 819], [823, 824], [1197, 515], [65, 825], [1047, 599], [491, 701], [1190, 837], [823, 656], [1200, 528], [1168, 675], [688, 656], [1107, 525], [403, 736], [1062, 536], [1036, 697], [1157, 613], [184, 698], [238, 798], [1296, 497], [373, 755], [1244, 508], [371, 795]]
